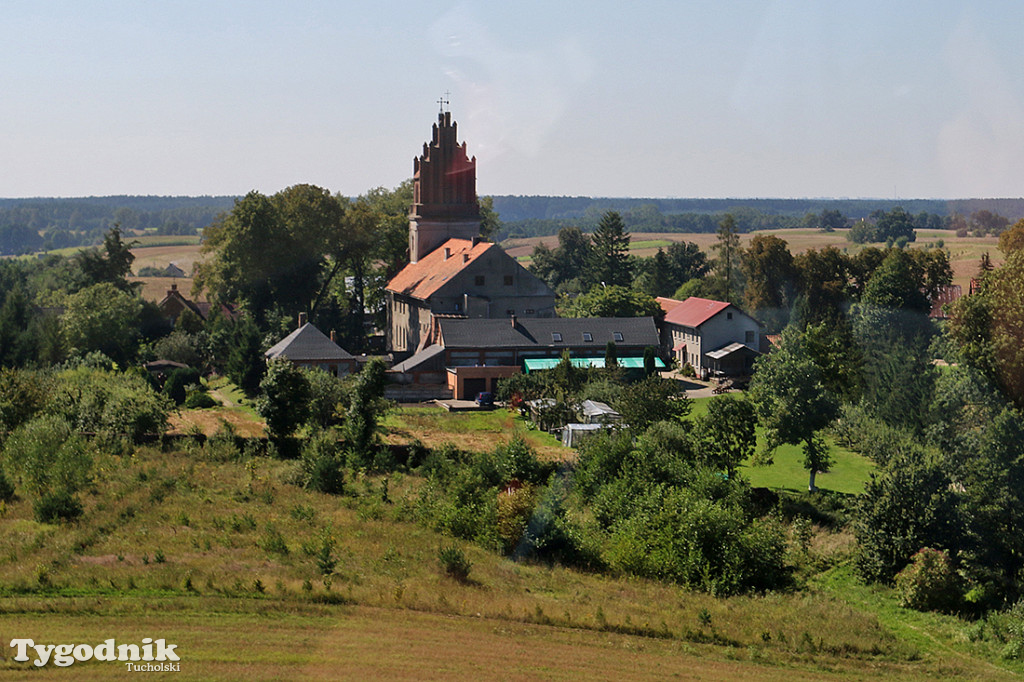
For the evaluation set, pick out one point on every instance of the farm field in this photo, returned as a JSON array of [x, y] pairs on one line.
[[965, 252]]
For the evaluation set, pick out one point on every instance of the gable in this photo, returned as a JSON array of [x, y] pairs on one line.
[[461, 266]]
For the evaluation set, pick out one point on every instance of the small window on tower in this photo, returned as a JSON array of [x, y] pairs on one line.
[[479, 280], [508, 280]]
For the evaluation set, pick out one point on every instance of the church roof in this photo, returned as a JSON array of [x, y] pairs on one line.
[[433, 271], [307, 343]]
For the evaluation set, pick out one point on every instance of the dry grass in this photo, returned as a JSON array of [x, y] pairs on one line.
[[172, 544], [474, 431]]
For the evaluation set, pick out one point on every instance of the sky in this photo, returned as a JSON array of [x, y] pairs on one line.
[[681, 98]]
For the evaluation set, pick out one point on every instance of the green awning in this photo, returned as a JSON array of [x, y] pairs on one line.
[[536, 364]]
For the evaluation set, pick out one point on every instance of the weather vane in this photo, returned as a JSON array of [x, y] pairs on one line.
[[443, 102]]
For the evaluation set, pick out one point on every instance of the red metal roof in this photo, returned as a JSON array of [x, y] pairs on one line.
[[433, 271], [692, 312]]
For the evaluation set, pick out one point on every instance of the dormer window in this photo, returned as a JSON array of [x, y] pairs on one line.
[[617, 336], [588, 337], [556, 337]]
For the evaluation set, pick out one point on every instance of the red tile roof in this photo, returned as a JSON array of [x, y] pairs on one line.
[[667, 304], [692, 312], [423, 278]]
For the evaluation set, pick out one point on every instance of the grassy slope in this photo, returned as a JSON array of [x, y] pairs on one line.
[[172, 544]]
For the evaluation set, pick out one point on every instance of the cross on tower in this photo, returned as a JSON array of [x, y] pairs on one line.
[[443, 102]]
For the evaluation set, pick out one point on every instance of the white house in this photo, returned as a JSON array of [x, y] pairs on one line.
[[714, 337]]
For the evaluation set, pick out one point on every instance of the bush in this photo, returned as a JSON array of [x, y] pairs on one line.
[[177, 381], [45, 458], [56, 507], [322, 462], [198, 400], [99, 400], [454, 562], [6, 488], [928, 583]]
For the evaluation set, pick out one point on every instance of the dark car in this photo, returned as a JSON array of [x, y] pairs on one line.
[[485, 399]]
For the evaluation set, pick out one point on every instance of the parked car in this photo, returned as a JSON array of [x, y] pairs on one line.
[[485, 399]]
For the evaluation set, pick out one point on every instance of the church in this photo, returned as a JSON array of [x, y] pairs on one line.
[[453, 272]]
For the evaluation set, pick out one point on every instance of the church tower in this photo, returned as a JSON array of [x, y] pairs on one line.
[[444, 204]]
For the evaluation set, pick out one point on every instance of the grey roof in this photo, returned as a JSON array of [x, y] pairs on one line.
[[415, 362], [594, 408], [541, 332], [729, 350], [308, 343]]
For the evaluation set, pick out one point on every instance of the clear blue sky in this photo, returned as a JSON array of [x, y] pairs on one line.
[[784, 98]]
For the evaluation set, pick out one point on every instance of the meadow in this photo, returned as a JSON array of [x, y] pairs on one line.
[[215, 549]]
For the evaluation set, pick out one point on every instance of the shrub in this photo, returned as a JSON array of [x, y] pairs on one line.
[[45, 457], [515, 506], [177, 381], [454, 562], [928, 583], [57, 506], [198, 400], [6, 488], [322, 464], [285, 399], [104, 401]]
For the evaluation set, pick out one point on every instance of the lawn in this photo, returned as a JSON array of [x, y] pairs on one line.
[[848, 475]]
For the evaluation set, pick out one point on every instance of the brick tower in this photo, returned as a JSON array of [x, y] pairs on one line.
[[444, 204]]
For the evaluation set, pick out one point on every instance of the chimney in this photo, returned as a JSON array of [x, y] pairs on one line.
[[447, 252], [513, 318], [334, 336], [174, 286], [465, 258], [302, 320], [477, 240]]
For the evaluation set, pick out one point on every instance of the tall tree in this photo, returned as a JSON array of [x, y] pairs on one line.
[[768, 266], [610, 252], [823, 278], [789, 393], [728, 248]]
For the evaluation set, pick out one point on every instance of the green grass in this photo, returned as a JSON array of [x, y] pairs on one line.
[[849, 474]]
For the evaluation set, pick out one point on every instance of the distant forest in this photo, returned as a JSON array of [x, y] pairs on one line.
[[538, 216], [31, 225]]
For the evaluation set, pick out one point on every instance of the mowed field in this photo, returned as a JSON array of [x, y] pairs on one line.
[[964, 252]]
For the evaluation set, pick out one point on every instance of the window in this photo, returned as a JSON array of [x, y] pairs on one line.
[[588, 337], [617, 336], [728, 316], [556, 337], [508, 280], [529, 311], [479, 281], [749, 339]]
